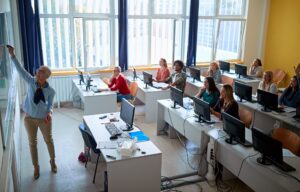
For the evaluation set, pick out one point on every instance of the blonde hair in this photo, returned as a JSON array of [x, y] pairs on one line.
[[229, 93], [47, 70], [164, 62], [214, 63], [270, 74]]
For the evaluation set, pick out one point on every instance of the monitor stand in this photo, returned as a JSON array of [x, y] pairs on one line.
[[173, 106], [231, 141], [263, 160], [265, 109], [126, 128]]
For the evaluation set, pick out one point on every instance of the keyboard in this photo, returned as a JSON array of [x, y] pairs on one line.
[[113, 129], [95, 90]]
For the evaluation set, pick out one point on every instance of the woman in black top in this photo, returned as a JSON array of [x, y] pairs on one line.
[[226, 103]]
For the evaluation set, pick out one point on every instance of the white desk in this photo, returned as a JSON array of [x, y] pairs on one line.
[[251, 82], [258, 177], [141, 172], [95, 103], [266, 120], [183, 121], [149, 97]]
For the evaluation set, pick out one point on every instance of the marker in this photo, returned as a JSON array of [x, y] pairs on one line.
[[111, 157]]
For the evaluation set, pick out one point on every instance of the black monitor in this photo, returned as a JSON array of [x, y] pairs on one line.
[[202, 109], [224, 66], [134, 74], [176, 96], [88, 82], [268, 100], [235, 128], [127, 114], [195, 73], [270, 149], [80, 75], [243, 91], [241, 70], [147, 78]]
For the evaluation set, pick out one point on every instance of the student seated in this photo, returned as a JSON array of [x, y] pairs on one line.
[[226, 103], [209, 92], [178, 78], [291, 94], [214, 71], [163, 72], [118, 83], [267, 83], [256, 69]]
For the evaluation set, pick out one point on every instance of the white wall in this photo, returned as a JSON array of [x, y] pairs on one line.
[[254, 41]]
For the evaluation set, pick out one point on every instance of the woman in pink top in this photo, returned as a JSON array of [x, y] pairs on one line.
[[163, 72]]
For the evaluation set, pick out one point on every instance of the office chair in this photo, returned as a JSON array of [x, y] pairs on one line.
[[246, 117], [90, 143], [289, 139], [133, 91], [278, 76]]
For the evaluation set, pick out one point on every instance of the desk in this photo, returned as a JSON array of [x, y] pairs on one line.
[[183, 121], [149, 97], [266, 120], [259, 178], [251, 82], [95, 103], [135, 174]]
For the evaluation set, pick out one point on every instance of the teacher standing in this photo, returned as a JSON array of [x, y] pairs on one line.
[[37, 106]]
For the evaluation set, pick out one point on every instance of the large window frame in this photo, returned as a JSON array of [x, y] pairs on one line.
[[112, 18]]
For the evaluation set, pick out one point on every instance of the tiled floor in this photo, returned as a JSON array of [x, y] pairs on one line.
[[72, 176]]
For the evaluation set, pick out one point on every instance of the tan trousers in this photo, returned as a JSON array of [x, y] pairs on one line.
[[32, 126]]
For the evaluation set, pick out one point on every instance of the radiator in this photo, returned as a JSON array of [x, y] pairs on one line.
[[63, 88]]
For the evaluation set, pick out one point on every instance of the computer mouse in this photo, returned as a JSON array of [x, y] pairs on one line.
[[113, 137]]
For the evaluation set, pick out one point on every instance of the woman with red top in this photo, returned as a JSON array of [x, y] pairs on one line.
[[163, 72], [118, 83]]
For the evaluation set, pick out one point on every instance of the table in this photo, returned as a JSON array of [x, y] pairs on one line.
[[266, 120], [149, 97], [251, 82], [140, 172], [258, 177], [183, 121], [94, 103]]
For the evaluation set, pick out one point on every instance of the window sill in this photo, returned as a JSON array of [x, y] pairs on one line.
[[138, 68]]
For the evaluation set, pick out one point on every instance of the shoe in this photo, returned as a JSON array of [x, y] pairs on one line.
[[53, 166], [36, 173]]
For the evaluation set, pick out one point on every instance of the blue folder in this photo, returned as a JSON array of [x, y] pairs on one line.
[[139, 135]]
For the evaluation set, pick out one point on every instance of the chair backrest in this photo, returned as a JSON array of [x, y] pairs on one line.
[[245, 116], [227, 80], [87, 137], [289, 139], [278, 75], [133, 88]]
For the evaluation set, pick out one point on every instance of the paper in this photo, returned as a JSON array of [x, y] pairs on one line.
[[139, 135]]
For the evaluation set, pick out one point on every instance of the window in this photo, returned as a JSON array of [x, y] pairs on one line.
[[79, 33], [220, 29], [84, 33]]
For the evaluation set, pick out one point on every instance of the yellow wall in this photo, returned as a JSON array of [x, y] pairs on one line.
[[282, 48]]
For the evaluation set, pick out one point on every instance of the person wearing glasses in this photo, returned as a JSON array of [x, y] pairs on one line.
[[118, 83], [38, 107], [178, 77]]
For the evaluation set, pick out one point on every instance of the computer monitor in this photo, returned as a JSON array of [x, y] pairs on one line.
[[202, 109], [127, 114], [80, 75], [224, 66], [298, 109], [147, 78], [195, 73], [88, 82], [270, 149], [241, 70], [243, 91], [134, 74], [268, 100], [176, 96], [235, 128]]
